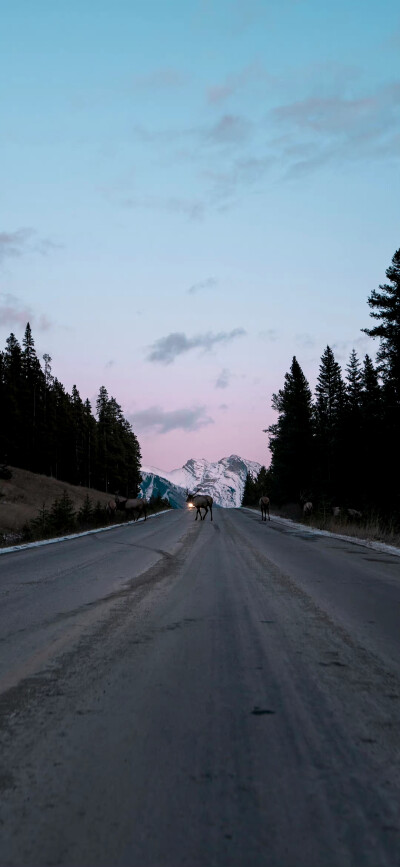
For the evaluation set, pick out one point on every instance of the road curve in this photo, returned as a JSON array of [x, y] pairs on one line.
[[195, 694]]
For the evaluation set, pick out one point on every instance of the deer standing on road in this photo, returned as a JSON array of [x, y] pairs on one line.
[[264, 506], [201, 501]]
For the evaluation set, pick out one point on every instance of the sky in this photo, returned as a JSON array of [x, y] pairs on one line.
[[191, 193]]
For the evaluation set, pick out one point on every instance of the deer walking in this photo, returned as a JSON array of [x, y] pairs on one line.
[[138, 505], [201, 501], [264, 506]]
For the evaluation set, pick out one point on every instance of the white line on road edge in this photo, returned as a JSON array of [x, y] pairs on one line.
[[376, 546], [77, 535]]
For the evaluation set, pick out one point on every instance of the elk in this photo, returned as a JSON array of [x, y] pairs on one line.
[[201, 501], [264, 506], [354, 514], [139, 505], [307, 509], [111, 508]]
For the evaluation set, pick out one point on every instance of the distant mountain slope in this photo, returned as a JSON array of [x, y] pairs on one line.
[[223, 479], [154, 485]]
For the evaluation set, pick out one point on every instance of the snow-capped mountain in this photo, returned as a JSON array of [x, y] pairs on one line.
[[223, 479]]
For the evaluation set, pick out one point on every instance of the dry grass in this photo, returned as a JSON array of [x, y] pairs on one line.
[[372, 528], [22, 497]]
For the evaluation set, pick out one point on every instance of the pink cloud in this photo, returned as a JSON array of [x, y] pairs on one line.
[[13, 312]]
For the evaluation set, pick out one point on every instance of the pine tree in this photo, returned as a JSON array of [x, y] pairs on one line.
[[249, 496], [354, 383], [61, 457], [62, 514], [330, 391], [103, 439], [45, 429], [79, 435], [352, 470], [30, 362], [32, 399], [371, 394], [11, 428], [263, 483], [90, 443], [44, 445], [385, 307], [132, 460], [85, 513], [330, 422], [48, 377], [118, 452], [291, 438], [41, 526], [372, 445], [2, 395]]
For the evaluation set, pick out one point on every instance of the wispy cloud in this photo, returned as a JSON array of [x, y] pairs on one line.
[[46, 246], [220, 92], [42, 322], [160, 79], [362, 345], [163, 421], [167, 349], [193, 209], [224, 184], [14, 243], [332, 120], [153, 136], [270, 335], [13, 312], [230, 129], [223, 379], [209, 283], [236, 82], [243, 14], [246, 13], [333, 116], [338, 129], [305, 340]]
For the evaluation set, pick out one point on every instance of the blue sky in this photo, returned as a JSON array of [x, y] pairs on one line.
[[191, 193]]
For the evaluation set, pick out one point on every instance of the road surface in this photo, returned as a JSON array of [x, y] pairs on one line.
[[193, 694]]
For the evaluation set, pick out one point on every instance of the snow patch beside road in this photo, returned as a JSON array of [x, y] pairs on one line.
[[77, 535], [376, 546]]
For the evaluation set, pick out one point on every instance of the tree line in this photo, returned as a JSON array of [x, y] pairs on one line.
[[342, 446], [46, 430], [63, 517]]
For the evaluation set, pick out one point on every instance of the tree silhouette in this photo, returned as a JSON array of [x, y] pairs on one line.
[[291, 437]]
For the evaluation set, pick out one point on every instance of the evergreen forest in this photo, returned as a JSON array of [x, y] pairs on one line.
[[46, 430], [342, 445]]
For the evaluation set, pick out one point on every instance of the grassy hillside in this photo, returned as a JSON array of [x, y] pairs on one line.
[[22, 497]]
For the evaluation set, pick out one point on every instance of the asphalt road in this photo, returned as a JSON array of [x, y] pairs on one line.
[[186, 694]]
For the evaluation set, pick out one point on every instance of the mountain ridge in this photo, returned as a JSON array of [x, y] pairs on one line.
[[223, 479]]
